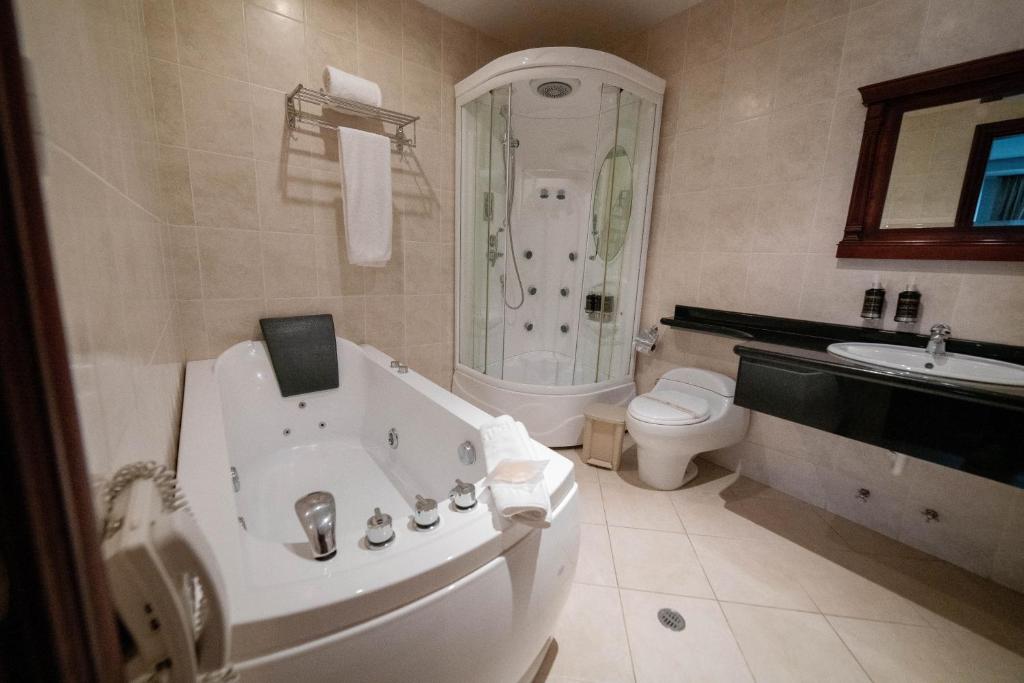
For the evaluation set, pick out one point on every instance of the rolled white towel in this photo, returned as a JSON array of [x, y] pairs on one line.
[[348, 86], [515, 472]]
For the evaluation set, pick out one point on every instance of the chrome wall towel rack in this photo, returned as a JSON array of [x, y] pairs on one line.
[[302, 94]]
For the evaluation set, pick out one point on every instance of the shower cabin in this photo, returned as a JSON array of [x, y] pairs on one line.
[[556, 150]]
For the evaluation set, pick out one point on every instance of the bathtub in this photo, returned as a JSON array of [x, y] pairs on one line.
[[474, 599]]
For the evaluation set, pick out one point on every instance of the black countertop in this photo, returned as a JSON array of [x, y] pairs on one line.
[[804, 342]]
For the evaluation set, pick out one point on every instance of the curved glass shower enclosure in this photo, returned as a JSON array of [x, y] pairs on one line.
[[555, 156]]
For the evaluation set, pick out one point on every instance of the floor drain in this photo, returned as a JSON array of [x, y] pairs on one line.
[[671, 619]]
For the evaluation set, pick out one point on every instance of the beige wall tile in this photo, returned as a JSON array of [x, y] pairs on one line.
[[459, 45], [700, 102], [422, 36], [170, 114], [809, 63], [349, 313], [755, 21], [959, 31], [230, 263], [193, 328], [337, 17], [218, 113], [285, 197], [488, 49], [230, 322], [334, 274], [708, 30], [224, 190], [664, 54], [276, 49], [423, 268], [742, 154], [991, 306], [385, 70], [289, 265], [272, 139], [634, 49], [324, 49], [798, 141], [159, 30], [211, 36], [175, 185], [289, 8], [377, 20], [771, 281], [104, 206], [804, 13], [385, 323], [882, 42], [421, 93], [723, 280], [184, 254]]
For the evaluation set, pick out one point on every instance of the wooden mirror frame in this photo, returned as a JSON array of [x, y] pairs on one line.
[[990, 77]]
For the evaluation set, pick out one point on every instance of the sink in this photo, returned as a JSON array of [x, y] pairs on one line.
[[949, 365]]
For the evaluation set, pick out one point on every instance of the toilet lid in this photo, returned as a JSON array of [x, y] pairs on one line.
[[666, 407]]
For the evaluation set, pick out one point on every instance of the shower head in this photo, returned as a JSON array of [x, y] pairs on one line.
[[554, 89]]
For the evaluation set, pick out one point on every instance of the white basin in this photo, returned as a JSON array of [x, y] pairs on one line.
[[950, 365]]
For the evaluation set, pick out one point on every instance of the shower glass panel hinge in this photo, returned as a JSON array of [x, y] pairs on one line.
[[488, 206]]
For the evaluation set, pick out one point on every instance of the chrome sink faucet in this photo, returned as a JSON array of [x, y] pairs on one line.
[[937, 341], [317, 517]]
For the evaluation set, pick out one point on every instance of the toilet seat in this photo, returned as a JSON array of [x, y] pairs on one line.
[[669, 408]]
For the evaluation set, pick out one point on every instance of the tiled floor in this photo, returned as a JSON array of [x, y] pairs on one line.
[[772, 589]]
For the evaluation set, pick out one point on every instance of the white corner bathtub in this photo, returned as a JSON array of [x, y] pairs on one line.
[[475, 599]]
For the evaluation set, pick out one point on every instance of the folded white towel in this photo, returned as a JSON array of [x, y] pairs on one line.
[[351, 87], [366, 183], [515, 472]]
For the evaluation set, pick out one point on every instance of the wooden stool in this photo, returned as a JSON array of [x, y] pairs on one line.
[[602, 435]]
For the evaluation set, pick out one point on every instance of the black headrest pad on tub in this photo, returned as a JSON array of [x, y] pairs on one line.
[[303, 351]]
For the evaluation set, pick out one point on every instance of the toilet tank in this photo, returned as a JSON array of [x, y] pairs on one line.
[[705, 379]]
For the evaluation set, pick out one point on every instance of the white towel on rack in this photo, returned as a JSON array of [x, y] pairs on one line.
[[338, 83], [515, 472], [366, 185]]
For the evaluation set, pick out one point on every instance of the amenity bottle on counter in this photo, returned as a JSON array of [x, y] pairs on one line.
[[908, 305], [874, 301]]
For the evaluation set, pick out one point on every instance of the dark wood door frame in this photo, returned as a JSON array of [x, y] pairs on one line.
[[56, 616]]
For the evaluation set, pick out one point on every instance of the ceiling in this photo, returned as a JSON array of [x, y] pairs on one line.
[[580, 23]]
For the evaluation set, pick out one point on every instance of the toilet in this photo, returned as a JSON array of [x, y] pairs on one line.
[[690, 411]]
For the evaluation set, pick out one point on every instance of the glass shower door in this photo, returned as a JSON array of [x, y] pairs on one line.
[[482, 310], [615, 240]]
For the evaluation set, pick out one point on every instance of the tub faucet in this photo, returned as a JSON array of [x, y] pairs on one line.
[[937, 341], [317, 517]]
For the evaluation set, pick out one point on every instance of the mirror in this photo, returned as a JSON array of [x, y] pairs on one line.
[[613, 204], [993, 195], [932, 154], [941, 167]]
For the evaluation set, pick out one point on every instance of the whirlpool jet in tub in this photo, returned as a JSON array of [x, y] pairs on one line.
[[473, 599]]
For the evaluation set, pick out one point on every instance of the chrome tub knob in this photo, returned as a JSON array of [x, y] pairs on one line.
[[426, 514], [379, 532], [463, 495], [317, 517]]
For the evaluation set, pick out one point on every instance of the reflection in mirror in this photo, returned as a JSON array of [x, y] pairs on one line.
[[613, 203], [1001, 195], [932, 154]]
